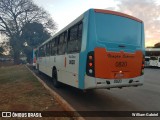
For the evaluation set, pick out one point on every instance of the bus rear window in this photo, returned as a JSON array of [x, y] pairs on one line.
[[118, 29]]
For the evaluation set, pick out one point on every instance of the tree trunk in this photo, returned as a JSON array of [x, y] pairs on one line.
[[15, 43], [16, 56]]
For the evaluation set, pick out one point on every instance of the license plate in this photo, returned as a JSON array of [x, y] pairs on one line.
[[117, 81]]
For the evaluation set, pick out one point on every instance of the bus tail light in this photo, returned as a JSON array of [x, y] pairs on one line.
[[142, 72], [90, 57], [90, 64]]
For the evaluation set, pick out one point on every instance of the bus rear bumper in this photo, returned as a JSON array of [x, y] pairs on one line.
[[96, 83]]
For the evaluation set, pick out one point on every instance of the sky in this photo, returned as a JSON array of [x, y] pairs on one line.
[[65, 11]]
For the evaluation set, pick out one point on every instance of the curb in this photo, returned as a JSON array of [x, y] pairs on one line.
[[66, 106]]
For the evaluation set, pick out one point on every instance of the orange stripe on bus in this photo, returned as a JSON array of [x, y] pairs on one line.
[[117, 13]]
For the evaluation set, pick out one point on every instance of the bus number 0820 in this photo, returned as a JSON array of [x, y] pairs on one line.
[[117, 81]]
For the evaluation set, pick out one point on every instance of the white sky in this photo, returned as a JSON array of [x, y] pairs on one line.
[[65, 11]]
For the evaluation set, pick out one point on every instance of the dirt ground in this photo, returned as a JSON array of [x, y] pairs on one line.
[[21, 91]]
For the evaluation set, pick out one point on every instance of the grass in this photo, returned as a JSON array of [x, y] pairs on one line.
[[21, 91]]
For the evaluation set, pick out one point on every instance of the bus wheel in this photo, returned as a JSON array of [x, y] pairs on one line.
[[55, 79]]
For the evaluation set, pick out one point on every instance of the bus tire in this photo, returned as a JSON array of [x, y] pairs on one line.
[[56, 84]]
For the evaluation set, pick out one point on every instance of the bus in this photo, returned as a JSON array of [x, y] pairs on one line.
[[99, 49], [147, 61], [154, 56], [34, 56], [154, 61]]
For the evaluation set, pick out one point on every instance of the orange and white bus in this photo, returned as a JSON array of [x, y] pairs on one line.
[[99, 49]]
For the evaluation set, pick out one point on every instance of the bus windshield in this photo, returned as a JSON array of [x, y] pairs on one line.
[[117, 29]]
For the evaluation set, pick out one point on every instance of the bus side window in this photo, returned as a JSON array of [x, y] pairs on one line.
[[72, 41], [75, 38], [39, 53], [54, 46], [42, 51], [64, 42], [61, 45], [80, 28], [47, 49], [50, 48], [57, 44]]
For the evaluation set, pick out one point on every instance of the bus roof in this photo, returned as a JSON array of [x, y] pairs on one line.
[[81, 17], [117, 13]]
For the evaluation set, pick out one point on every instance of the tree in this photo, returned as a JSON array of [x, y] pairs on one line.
[[1, 50], [4, 47], [157, 45], [34, 34], [15, 15]]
